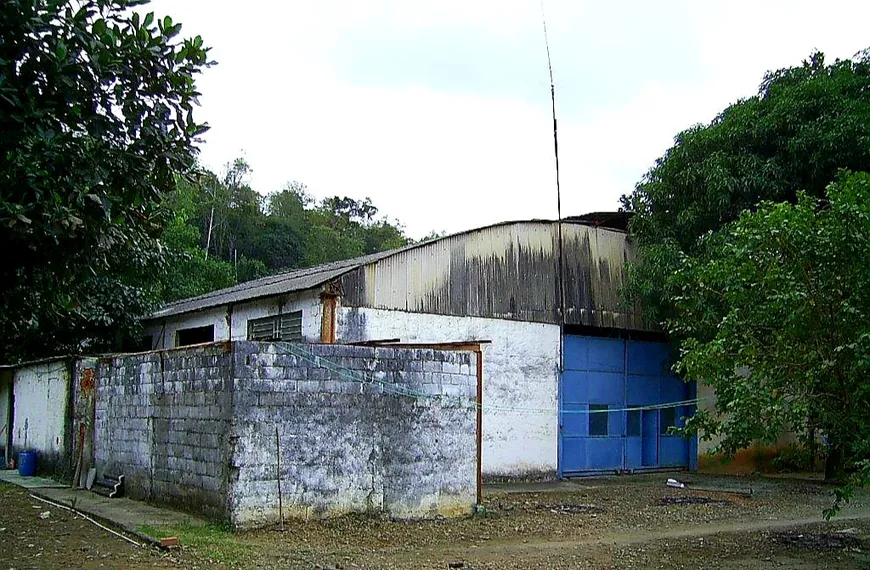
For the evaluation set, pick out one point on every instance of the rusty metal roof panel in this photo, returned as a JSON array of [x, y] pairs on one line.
[[506, 271]]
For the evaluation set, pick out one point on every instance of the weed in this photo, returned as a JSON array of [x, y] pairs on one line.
[[215, 542]]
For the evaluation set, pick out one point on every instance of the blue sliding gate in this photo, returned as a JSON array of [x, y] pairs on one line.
[[617, 400]]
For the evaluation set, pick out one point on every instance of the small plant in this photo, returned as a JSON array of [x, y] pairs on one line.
[[792, 458], [215, 542]]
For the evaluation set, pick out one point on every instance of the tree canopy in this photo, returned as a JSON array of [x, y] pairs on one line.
[[774, 313], [221, 231], [805, 124], [757, 266], [96, 121], [104, 212]]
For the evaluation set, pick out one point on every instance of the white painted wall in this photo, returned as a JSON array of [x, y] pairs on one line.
[[164, 330], [707, 401], [41, 400], [520, 370], [307, 301]]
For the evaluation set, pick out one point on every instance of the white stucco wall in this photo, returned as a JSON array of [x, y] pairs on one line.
[[308, 302], [40, 413], [520, 371], [164, 330]]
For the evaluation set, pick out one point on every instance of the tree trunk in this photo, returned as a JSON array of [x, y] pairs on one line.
[[208, 235], [835, 463]]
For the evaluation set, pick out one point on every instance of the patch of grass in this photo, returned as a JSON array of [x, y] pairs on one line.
[[214, 542]]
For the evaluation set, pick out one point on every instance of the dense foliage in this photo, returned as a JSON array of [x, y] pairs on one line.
[[220, 231], [774, 313], [95, 123], [805, 123], [758, 272], [104, 213]]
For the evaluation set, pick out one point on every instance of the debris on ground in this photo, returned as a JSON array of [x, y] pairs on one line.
[[692, 501], [624, 523], [169, 542], [569, 509], [819, 541]]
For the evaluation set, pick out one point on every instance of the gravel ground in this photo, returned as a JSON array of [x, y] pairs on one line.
[[622, 522]]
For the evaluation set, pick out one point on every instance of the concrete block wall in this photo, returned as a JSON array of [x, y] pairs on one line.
[[162, 419], [350, 446], [196, 427]]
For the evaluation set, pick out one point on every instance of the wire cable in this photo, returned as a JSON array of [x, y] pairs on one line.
[[390, 388]]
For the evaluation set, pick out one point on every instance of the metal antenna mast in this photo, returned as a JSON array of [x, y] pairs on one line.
[[560, 289]]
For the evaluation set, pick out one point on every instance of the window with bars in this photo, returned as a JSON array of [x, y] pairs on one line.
[[286, 327]]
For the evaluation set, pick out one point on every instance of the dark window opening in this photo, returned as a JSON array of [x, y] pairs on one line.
[[598, 419], [286, 328], [196, 335], [632, 419], [668, 419], [146, 343]]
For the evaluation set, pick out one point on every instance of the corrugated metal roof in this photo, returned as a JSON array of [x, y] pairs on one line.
[[302, 279], [297, 280], [506, 271]]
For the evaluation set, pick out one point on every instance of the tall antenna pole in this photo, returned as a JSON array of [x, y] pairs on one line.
[[560, 289]]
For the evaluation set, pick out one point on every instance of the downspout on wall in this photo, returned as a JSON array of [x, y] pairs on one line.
[[328, 325]]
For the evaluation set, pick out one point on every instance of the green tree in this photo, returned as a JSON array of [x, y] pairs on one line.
[[95, 121], [774, 313], [188, 271], [805, 123], [232, 210], [256, 235]]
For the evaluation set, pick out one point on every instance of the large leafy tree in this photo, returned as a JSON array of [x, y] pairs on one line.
[[774, 313], [805, 123], [95, 121], [740, 257]]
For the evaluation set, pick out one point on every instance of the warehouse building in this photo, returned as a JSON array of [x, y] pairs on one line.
[[585, 393]]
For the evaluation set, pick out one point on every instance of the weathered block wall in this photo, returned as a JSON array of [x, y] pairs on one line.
[[163, 420], [358, 429], [350, 446]]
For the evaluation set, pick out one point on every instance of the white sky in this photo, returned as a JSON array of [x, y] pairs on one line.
[[440, 111]]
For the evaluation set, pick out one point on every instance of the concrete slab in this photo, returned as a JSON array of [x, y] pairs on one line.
[[125, 514], [12, 476]]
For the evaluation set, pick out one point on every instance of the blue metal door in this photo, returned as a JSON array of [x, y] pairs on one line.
[[616, 404]]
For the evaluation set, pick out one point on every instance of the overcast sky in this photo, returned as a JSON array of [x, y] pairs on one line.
[[440, 111]]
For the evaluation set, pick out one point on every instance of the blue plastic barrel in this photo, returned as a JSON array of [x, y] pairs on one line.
[[27, 463]]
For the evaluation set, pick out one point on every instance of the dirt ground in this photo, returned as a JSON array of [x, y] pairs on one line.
[[620, 522]]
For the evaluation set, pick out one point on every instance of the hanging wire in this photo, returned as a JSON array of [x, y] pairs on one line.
[[386, 387]]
